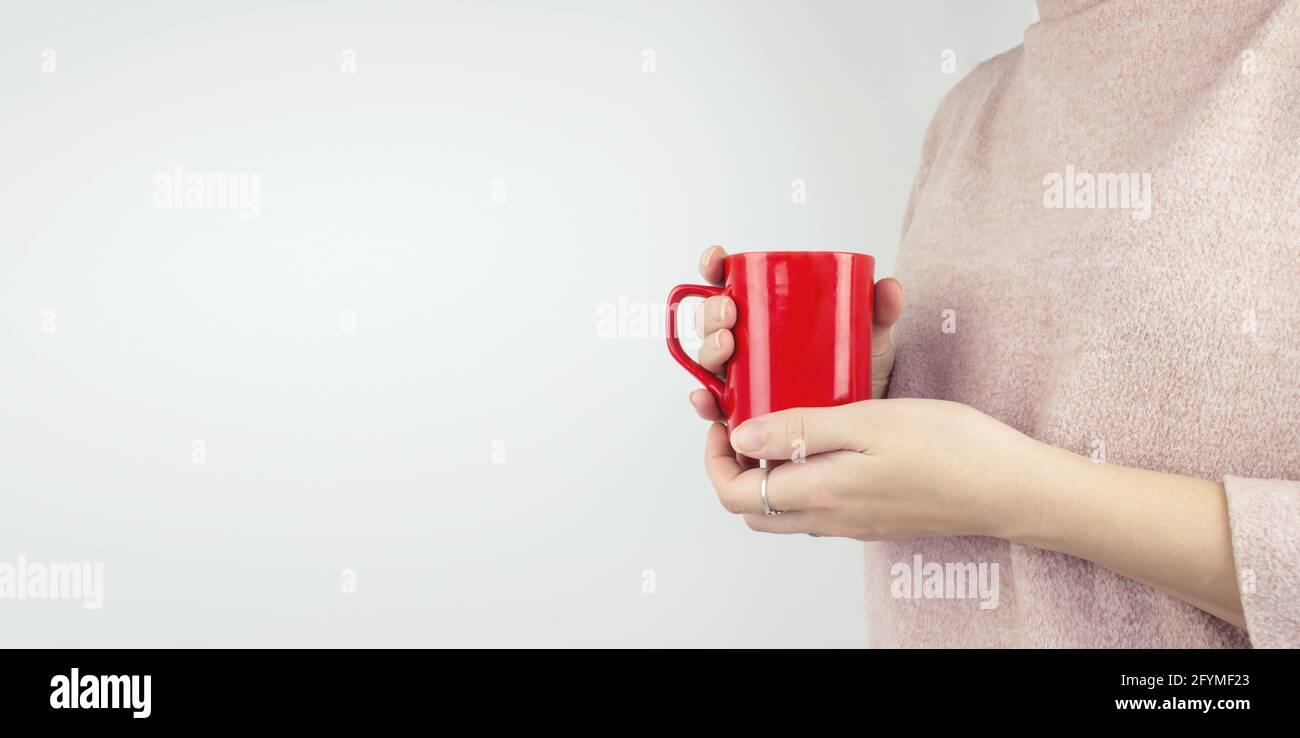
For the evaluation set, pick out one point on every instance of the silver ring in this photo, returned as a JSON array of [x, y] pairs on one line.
[[762, 492]]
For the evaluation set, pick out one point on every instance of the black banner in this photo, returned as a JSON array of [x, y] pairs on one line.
[[208, 688]]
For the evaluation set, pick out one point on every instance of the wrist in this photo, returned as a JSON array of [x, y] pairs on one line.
[[1042, 495]]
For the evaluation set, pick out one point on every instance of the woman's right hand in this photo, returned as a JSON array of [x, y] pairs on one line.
[[715, 318]]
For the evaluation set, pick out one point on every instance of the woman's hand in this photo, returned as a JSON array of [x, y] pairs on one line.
[[910, 468], [883, 469], [715, 318]]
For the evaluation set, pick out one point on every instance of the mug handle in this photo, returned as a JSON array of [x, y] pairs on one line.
[[707, 378]]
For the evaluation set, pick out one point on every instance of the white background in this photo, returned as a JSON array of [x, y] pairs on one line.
[[476, 322]]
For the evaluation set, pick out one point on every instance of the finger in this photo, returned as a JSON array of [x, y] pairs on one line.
[[711, 264], [715, 313], [705, 406], [820, 523], [884, 314], [746, 463], [720, 462], [801, 432], [716, 349], [889, 302], [740, 489]]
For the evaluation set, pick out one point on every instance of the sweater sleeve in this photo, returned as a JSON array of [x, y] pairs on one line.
[[1264, 517]]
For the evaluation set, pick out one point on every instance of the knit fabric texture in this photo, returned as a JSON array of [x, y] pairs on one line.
[[1102, 249]]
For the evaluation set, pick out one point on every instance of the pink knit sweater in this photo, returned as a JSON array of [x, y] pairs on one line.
[[1159, 333]]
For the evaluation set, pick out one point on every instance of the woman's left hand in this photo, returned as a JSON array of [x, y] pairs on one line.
[[882, 470]]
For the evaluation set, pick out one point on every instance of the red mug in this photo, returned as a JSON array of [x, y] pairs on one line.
[[803, 331]]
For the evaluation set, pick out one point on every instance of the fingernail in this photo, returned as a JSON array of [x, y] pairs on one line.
[[748, 437], [722, 310], [704, 258], [717, 339]]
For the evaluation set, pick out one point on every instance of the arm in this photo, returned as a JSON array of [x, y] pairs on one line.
[[907, 468], [1167, 531]]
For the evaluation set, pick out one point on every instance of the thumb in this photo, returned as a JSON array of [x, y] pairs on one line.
[[800, 432], [884, 314]]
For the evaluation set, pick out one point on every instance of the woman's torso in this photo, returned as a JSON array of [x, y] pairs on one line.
[[1151, 328]]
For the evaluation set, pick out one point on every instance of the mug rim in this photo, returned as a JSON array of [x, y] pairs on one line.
[[790, 253]]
